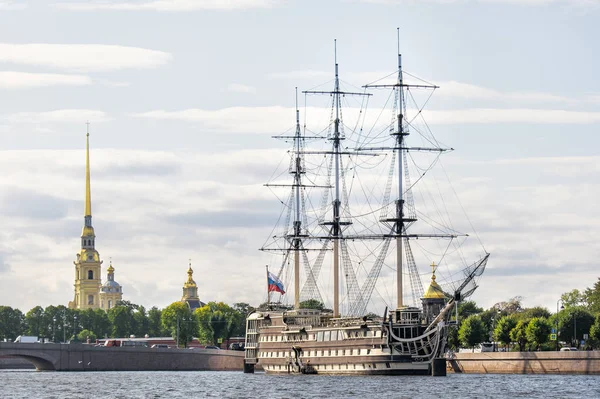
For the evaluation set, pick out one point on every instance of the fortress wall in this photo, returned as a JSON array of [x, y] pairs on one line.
[[581, 362]]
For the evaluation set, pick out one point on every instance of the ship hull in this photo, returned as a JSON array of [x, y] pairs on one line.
[[338, 348]]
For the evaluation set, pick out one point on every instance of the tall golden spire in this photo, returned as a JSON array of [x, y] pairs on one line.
[[88, 194], [88, 230]]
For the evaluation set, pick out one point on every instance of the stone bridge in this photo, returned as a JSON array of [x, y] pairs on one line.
[[81, 357]]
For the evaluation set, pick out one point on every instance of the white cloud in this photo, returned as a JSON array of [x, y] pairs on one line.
[[510, 2], [240, 88], [59, 115], [82, 57], [255, 119], [520, 115], [112, 83], [168, 5], [277, 119], [451, 89], [466, 90], [12, 5], [24, 80], [295, 75]]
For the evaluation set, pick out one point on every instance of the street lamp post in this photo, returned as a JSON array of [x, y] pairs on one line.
[[561, 308], [64, 328], [575, 330], [54, 329], [177, 331], [74, 328]]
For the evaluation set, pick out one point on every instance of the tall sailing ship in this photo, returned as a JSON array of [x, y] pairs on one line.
[[350, 209]]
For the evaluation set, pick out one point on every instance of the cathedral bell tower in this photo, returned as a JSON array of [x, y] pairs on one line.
[[88, 264]]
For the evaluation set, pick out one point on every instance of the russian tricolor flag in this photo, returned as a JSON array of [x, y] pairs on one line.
[[275, 283]]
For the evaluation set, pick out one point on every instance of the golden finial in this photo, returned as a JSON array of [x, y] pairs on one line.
[[433, 270], [110, 269]]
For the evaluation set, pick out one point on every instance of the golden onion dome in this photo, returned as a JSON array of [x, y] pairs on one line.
[[434, 291], [190, 281]]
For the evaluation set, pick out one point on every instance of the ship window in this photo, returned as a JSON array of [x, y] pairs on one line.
[[320, 336], [368, 351], [327, 336], [334, 335], [90, 275]]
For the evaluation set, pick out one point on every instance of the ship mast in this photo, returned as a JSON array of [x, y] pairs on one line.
[[295, 237], [400, 220], [400, 202], [297, 221], [336, 202], [336, 224]]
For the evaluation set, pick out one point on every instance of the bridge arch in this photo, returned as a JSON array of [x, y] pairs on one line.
[[40, 363], [43, 358]]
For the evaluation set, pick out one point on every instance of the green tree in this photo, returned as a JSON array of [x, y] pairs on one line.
[[120, 318], [573, 298], [519, 334], [180, 322], [218, 320], [53, 319], [471, 332], [574, 320], [34, 320], [141, 321], [155, 327], [465, 309], [12, 323], [85, 334], [503, 329], [138, 324], [592, 298], [244, 308], [86, 319], [312, 304], [530, 313], [538, 331], [101, 324], [513, 305], [594, 339]]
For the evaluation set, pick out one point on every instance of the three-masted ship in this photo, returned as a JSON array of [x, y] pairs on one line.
[[346, 339]]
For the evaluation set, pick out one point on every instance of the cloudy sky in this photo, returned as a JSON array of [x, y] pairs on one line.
[[183, 97]]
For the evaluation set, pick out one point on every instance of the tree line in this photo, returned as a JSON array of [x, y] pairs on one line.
[[508, 323], [576, 320], [211, 323]]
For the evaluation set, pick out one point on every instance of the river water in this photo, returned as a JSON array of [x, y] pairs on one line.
[[210, 384]]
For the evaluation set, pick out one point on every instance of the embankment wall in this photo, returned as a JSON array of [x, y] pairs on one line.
[[582, 362]]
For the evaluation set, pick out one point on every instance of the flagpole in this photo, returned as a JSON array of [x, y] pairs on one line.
[[268, 292]]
